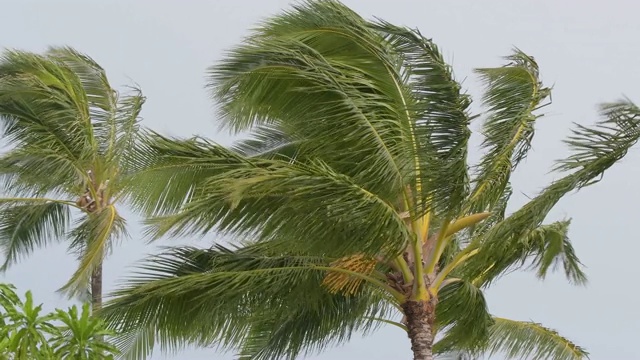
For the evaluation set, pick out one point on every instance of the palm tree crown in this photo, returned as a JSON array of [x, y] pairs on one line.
[[69, 135], [353, 198]]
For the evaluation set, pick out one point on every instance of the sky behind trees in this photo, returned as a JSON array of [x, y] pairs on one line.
[[587, 50]]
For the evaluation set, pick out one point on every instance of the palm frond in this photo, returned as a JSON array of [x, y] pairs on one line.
[[97, 100], [27, 224], [513, 93], [438, 118], [167, 172], [92, 239], [520, 339], [462, 317], [33, 172], [126, 128], [42, 106], [308, 205], [327, 79], [595, 149], [231, 297], [544, 248]]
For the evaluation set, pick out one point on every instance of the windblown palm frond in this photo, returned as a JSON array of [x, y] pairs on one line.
[[309, 202], [513, 93], [27, 223], [271, 303], [595, 150], [520, 339]]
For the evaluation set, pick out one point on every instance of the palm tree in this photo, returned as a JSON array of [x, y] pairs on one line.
[[353, 199], [69, 135]]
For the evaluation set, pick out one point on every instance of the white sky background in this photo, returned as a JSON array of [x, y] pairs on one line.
[[589, 51]]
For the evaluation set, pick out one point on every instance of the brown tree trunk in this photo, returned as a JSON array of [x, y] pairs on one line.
[[96, 288], [419, 318]]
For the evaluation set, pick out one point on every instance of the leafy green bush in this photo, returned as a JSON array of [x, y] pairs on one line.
[[28, 334]]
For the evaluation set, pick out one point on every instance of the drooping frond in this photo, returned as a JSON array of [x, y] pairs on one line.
[[326, 78], [438, 118], [266, 305], [463, 318], [95, 98], [91, 240], [42, 104], [520, 340], [543, 248], [27, 224], [513, 93], [595, 149]]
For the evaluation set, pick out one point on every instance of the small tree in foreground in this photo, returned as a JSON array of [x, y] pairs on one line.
[[355, 199], [26, 334]]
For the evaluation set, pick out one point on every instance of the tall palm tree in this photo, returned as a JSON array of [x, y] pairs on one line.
[[69, 134], [353, 200]]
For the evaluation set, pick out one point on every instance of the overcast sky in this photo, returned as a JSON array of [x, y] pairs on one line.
[[588, 50]]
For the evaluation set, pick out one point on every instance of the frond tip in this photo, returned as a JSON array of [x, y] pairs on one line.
[[524, 339]]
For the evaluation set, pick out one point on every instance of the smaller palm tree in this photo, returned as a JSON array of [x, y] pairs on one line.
[[68, 134]]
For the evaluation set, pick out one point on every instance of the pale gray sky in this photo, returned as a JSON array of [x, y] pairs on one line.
[[588, 49]]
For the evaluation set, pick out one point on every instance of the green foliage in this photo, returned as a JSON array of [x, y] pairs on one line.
[[359, 148], [69, 136], [27, 334], [520, 339], [271, 302]]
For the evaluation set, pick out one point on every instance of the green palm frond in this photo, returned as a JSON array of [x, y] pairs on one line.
[[126, 128], [462, 317], [595, 149], [168, 172], [543, 248], [231, 297], [437, 114], [322, 74], [27, 224], [310, 205], [41, 105], [91, 238], [37, 172], [520, 339], [513, 93]]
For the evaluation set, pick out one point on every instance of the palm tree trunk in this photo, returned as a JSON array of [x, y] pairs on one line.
[[419, 318], [96, 288]]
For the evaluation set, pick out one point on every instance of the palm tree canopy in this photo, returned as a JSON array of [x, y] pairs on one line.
[[69, 135], [359, 151]]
